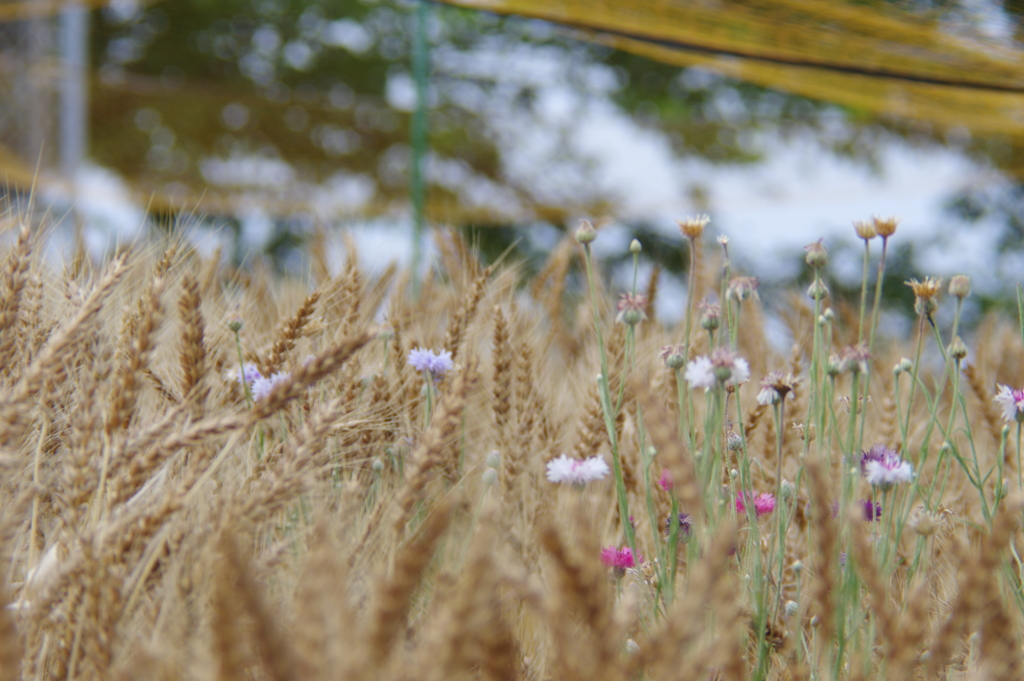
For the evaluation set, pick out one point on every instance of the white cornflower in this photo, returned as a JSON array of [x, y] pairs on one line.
[[723, 367], [699, 373], [576, 471], [261, 387], [1012, 402], [888, 471]]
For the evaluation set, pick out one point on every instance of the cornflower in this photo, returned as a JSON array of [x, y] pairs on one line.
[[575, 471], [876, 453], [685, 524], [724, 367], [775, 386], [618, 559], [436, 363], [887, 471], [925, 293], [693, 227], [763, 503], [261, 387], [673, 356], [1012, 402], [631, 308], [741, 288], [249, 373], [710, 315], [665, 481]]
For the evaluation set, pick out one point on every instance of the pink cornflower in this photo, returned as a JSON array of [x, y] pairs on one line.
[[619, 559], [763, 503], [575, 471], [1012, 402], [632, 308], [665, 481]]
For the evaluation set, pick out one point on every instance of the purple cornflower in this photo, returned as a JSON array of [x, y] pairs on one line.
[[1012, 402], [872, 511], [763, 503], [436, 363], [261, 387], [685, 524], [618, 559], [249, 372], [576, 471], [876, 453], [887, 471]]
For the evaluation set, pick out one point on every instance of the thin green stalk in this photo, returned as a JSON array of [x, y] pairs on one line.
[[241, 371], [606, 405], [913, 379], [878, 294], [864, 290]]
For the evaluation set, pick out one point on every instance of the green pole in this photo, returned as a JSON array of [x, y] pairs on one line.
[[418, 133]]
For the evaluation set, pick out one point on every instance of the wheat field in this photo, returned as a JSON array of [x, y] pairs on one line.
[[209, 473]]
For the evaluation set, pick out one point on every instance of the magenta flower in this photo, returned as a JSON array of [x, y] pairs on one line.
[[619, 559], [1012, 402], [763, 503], [665, 481]]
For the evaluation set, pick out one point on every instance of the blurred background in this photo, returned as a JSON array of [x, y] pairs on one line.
[[255, 124]]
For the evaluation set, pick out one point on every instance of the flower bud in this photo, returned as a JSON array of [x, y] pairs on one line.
[[235, 324], [797, 567], [906, 364], [675, 361], [635, 247], [817, 254], [818, 290], [585, 233], [925, 522], [377, 466], [957, 350], [490, 476], [830, 314], [733, 441], [792, 608], [960, 286], [632, 317], [494, 459], [788, 490]]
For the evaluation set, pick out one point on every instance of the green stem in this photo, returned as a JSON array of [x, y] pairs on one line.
[[607, 407], [864, 290]]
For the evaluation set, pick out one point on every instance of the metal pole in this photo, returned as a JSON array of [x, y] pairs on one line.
[[74, 31], [418, 133]]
